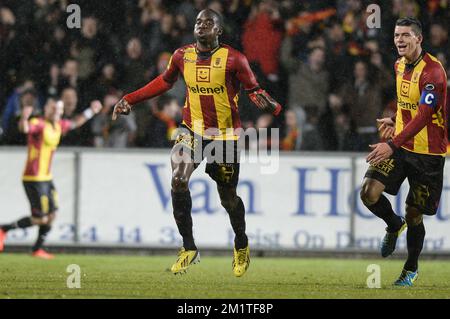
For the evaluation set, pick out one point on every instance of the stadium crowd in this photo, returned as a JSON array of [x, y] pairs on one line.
[[331, 72]]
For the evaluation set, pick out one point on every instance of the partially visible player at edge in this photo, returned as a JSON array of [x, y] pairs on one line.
[[213, 73], [44, 135], [416, 147]]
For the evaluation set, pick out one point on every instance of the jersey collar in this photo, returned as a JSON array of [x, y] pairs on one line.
[[206, 54], [410, 66]]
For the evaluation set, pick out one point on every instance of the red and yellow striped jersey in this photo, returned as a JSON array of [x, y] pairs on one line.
[[43, 139], [213, 82], [422, 84]]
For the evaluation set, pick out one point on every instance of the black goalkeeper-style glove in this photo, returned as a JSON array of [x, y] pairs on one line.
[[264, 101]]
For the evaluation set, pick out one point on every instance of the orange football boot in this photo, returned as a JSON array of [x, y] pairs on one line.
[[40, 253], [2, 239]]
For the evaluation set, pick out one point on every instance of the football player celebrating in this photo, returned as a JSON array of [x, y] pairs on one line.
[[44, 135], [415, 150], [213, 73]]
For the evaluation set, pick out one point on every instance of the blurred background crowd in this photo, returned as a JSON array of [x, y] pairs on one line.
[[333, 74]]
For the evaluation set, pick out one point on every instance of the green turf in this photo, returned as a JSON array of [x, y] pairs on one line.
[[22, 276]]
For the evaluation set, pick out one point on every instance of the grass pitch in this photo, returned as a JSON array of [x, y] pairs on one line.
[[22, 276]]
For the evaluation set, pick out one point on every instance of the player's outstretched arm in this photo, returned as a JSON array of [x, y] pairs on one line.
[[156, 87], [87, 114], [24, 126]]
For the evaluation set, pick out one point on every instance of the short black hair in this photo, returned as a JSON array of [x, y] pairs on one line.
[[410, 22], [218, 16]]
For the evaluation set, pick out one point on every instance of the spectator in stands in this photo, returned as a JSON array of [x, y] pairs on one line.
[[69, 75], [309, 83], [88, 48], [337, 54], [264, 123], [69, 96], [439, 39], [27, 97], [162, 36], [263, 26], [166, 116], [106, 83], [347, 138], [134, 66], [107, 133], [25, 94], [364, 99], [292, 140], [311, 139], [36, 45], [184, 31]]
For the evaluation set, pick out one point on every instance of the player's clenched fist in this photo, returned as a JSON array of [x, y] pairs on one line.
[[121, 107]]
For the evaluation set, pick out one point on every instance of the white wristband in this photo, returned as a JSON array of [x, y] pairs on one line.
[[88, 113]]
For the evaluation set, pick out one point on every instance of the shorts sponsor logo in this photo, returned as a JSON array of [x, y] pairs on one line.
[[385, 167]]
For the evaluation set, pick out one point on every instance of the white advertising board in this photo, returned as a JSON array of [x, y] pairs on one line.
[[14, 203], [124, 199]]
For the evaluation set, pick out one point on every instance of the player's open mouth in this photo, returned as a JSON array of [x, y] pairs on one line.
[[402, 47]]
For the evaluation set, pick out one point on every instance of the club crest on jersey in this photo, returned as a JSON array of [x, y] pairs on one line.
[[415, 77], [203, 74], [217, 62], [404, 89]]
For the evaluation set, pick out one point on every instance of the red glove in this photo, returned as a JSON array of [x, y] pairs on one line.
[[264, 101]]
